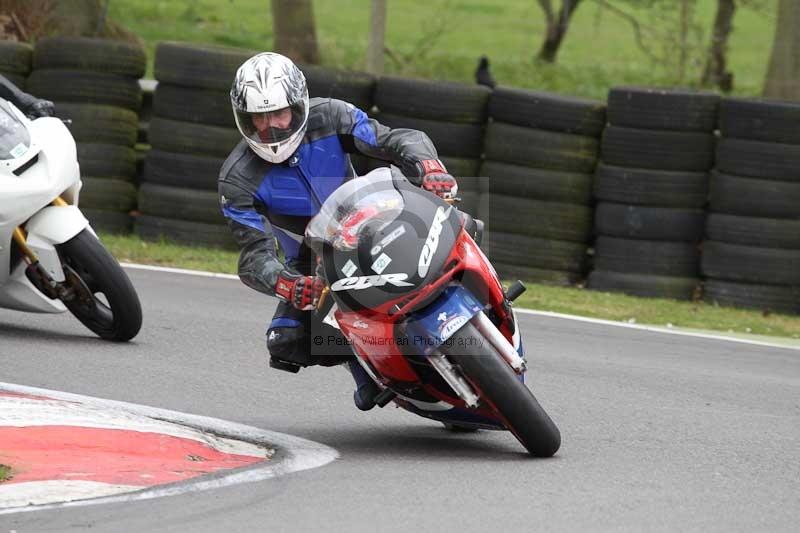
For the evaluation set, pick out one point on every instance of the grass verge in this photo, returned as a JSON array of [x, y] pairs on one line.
[[5, 473], [131, 249], [574, 301]]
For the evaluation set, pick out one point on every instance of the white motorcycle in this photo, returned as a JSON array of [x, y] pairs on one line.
[[51, 260]]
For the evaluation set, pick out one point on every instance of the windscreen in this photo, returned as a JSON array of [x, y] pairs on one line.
[[14, 137], [369, 200]]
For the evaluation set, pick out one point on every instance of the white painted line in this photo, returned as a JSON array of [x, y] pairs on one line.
[[40, 493], [655, 329], [293, 453], [201, 273]]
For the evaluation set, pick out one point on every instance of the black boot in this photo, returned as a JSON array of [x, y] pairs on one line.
[[366, 388]]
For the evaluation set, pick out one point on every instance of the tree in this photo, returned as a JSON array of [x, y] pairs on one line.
[[557, 27], [783, 76], [37, 18], [295, 31], [377, 37], [716, 72]]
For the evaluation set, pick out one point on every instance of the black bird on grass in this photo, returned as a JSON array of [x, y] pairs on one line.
[[482, 74]]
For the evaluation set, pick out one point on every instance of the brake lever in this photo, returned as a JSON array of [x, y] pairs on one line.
[[322, 297]]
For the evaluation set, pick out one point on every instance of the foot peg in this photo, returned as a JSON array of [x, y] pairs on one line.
[[386, 396], [283, 365], [368, 397]]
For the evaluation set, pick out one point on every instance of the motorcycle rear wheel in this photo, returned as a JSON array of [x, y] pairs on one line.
[[118, 318], [485, 368]]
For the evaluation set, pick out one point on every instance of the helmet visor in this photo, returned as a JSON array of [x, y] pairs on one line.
[[271, 127]]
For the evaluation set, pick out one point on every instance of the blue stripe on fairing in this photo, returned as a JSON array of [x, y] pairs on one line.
[[426, 327], [362, 130], [290, 247], [248, 218], [284, 322]]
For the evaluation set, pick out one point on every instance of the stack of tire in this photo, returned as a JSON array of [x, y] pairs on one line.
[[357, 88], [651, 188], [94, 84], [15, 61], [752, 255], [451, 114], [541, 150], [191, 132]]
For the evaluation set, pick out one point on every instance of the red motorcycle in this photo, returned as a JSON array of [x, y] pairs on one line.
[[424, 310]]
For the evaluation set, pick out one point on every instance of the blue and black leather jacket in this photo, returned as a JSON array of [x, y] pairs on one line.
[[264, 202]]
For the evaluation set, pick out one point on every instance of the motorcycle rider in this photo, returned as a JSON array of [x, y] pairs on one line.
[[28, 104], [293, 155]]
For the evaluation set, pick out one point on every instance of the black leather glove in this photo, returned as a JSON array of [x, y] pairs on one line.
[[40, 108], [303, 292], [436, 179]]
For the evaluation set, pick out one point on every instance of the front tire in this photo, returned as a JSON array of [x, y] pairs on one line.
[[485, 368], [112, 309]]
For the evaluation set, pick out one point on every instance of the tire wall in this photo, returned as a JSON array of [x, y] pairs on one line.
[[658, 193], [94, 84], [751, 252], [540, 151], [189, 130], [650, 190]]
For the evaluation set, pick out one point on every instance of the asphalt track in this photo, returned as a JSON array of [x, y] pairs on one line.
[[660, 432]]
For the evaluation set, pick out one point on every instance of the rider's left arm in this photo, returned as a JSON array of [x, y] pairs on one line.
[[403, 147]]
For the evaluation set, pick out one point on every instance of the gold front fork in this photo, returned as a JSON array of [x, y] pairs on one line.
[[19, 236]]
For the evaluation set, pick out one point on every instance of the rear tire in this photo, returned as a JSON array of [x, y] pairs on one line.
[[119, 317], [485, 368]]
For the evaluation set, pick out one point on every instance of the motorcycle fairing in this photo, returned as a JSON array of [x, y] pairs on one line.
[[435, 324], [403, 254]]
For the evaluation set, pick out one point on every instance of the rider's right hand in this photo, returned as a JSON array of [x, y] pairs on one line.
[[303, 292]]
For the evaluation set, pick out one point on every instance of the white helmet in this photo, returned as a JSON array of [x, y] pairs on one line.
[[269, 85]]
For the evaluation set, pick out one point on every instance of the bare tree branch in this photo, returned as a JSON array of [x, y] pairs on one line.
[[425, 43], [547, 7], [637, 28], [556, 28], [715, 72]]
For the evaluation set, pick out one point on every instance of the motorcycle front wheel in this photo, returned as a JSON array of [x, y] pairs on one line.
[[105, 300], [486, 369]]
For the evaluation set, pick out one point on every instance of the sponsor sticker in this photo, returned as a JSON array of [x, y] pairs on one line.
[[19, 150], [389, 239], [349, 268], [381, 263], [451, 326]]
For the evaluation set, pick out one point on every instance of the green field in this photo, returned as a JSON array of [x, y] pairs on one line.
[[5, 473], [443, 39], [576, 301]]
